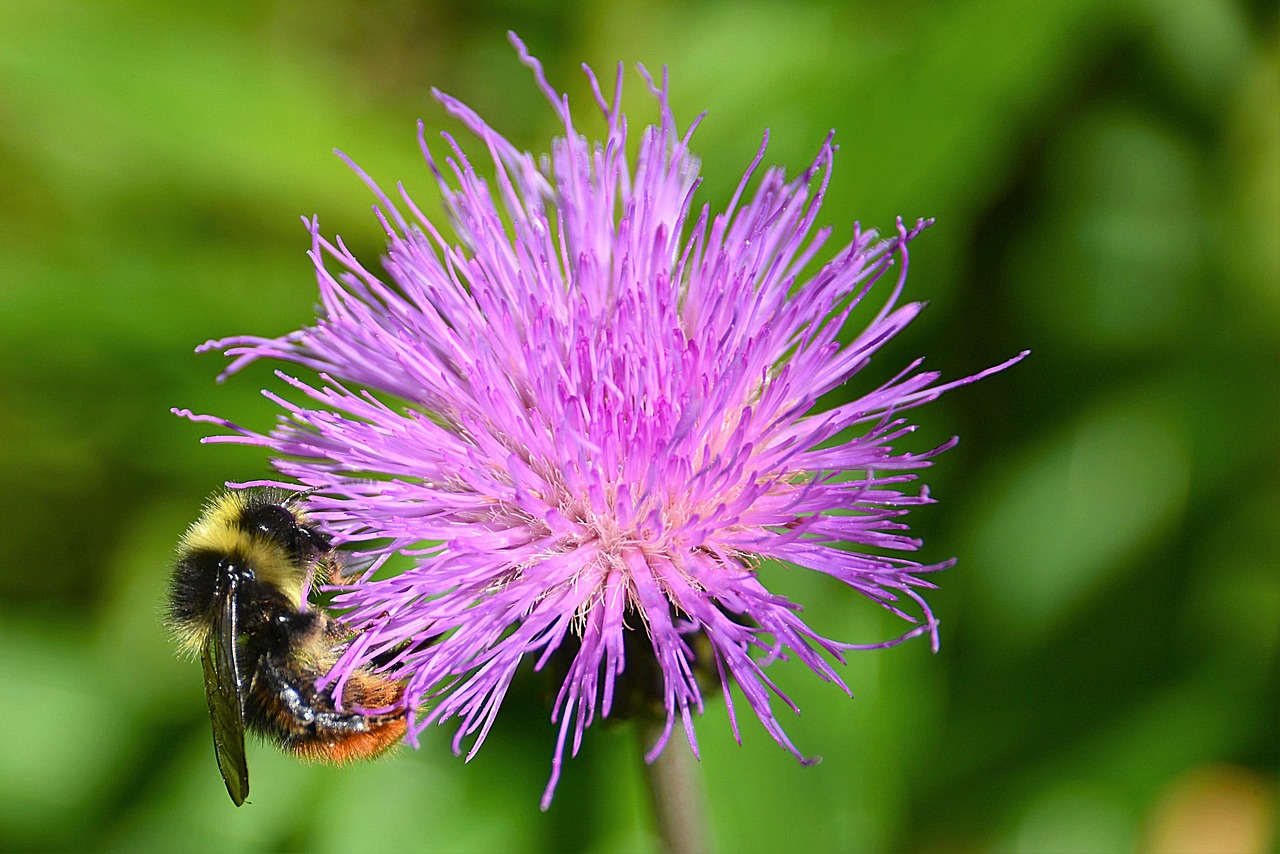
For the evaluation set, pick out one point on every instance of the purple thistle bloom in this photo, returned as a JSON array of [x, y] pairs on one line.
[[593, 413]]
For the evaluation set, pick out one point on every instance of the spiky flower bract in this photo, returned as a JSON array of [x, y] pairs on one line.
[[589, 414]]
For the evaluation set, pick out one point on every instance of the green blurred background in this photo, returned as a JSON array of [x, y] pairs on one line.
[[1106, 176]]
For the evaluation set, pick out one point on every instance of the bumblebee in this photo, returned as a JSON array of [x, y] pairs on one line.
[[239, 600]]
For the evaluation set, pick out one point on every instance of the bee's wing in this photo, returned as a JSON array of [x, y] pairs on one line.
[[223, 690]]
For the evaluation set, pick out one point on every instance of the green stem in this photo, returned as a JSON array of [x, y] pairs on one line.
[[678, 798]]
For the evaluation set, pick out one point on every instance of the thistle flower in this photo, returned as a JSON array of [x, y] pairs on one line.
[[590, 417]]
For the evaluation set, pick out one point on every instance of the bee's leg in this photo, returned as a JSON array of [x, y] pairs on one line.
[[334, 566], [287, 702]]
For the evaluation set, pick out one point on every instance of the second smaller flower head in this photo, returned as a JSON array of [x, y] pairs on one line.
[[590, 416]]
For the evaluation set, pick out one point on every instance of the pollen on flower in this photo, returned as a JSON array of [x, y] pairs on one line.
[[588, 410]]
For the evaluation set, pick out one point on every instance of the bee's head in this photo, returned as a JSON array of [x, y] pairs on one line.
[[284, 527]]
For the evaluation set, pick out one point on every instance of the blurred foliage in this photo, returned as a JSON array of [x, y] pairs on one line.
[[1106, 176]]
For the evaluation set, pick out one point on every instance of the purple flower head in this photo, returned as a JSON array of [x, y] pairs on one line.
[[590, 417]]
